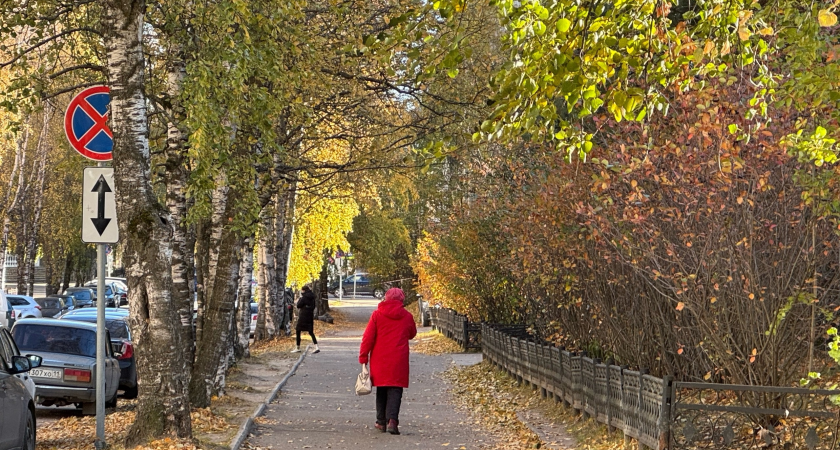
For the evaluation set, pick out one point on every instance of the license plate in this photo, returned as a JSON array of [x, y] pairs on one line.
[[45, 373]]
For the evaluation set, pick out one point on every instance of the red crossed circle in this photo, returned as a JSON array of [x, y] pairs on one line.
[[100, 123]]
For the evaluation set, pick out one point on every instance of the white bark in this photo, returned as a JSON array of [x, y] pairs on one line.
[[146, 232], [40, 176], [243, 295]]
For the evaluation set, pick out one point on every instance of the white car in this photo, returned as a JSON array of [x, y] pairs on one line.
[[25, 307], [7, 313]]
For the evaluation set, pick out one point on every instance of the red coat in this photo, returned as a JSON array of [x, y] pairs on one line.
[[386, 341]]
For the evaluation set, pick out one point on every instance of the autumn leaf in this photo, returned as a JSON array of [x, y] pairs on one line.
[[826, 18], [680, 306]]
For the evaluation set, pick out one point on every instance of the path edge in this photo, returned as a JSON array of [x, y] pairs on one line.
[[248, 425]]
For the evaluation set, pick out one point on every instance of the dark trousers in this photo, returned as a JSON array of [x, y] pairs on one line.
[[314, 341], [388, 400]]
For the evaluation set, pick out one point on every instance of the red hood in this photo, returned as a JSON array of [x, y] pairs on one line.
[[393, 309]]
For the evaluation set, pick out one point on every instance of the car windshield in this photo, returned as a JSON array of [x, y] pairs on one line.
[[255, 308], [81, 295], [55, 339], [108, 291], [48, 302], [18, 301], [118, 328]]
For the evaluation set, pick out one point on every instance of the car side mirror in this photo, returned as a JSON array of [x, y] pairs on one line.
[[35, 361], [20, 364]]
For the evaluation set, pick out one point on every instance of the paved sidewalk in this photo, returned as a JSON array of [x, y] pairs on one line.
[[319, 410]]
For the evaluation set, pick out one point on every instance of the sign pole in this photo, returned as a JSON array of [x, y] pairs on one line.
[[100, 347], [100, 344], [86, 127]]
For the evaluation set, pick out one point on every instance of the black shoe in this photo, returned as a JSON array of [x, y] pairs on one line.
[[392, 426]]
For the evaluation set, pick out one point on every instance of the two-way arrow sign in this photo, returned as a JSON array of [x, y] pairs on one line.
[[99, 207]]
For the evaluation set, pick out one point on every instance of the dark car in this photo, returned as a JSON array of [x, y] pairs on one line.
[[17, 416], [84, 296], [52, 306], [69, 301], [362, 284], [116, 321], [110, 296]]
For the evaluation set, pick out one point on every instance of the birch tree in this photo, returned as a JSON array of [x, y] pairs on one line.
[[146, 230]]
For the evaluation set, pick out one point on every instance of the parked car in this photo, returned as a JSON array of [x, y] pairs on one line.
[[68, 352], [120, 282], [110, 294], [121, 345], [255, 309], [12, 348], [69, 301], [17, 415], [121, 312], [26, 306], [52, 306], [119, 285], [7, 313], [363, 286], [84, 296]]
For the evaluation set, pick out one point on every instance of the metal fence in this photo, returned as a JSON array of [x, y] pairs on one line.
[[456, 327], [659, 413]]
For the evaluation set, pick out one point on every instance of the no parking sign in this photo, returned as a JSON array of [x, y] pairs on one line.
[[86, 124]]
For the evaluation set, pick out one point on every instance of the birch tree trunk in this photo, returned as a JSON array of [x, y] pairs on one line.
[[221, 276], [11, 201], [146, 232], [176, 202], [242, 347], [266, 317], [40, 176], [284, 231]]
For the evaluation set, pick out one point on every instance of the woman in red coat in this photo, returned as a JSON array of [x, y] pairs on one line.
[[385, 345]]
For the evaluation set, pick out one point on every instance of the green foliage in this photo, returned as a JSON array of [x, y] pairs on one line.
[[380, 243]]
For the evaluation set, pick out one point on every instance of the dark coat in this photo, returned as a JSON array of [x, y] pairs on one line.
[[306, 312]]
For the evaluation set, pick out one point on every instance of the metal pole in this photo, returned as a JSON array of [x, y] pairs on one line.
[[100, 347], [340, 280], [354, 286]]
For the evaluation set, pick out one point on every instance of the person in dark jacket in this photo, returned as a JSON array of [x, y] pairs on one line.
[[306, 317], [385, 346]]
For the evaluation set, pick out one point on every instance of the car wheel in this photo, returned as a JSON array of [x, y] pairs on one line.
[[112, 403], [343, 292], [29, 433], [130, 393], [378, 293]]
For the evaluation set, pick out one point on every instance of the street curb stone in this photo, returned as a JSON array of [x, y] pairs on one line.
[[248, 425]]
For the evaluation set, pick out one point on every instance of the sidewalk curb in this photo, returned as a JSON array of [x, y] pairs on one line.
[[248, 425]]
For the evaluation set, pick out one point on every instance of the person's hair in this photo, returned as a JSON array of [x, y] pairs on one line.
[[306, 288]]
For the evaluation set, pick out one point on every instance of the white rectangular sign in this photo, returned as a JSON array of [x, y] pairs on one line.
[[99, 207]]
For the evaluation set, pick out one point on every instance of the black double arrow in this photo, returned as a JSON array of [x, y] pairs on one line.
[[100, 222]]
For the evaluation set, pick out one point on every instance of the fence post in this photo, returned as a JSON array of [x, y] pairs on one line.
[[640, 406], [664, 423], [466, 325]]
